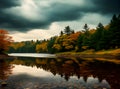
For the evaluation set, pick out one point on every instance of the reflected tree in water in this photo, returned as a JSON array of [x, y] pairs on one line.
[[5, 69], [67, 68]]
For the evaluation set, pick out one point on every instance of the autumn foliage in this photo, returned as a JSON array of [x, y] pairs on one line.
[[5, 40], [101, 38]]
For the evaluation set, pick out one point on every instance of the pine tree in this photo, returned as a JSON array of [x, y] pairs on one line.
[[67, 30], [115, 32]]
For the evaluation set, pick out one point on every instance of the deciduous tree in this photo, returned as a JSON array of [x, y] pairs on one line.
[[5, 40]]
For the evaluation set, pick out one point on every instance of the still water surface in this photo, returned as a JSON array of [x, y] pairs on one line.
[[48, 72], [41, 55]]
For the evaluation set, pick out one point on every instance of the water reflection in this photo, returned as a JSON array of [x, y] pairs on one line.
[[90, 74], [5, 72], [5, 69]]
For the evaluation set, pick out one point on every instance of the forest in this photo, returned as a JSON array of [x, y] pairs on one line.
[[101, 38]]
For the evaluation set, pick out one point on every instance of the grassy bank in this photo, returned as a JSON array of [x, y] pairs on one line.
[[112, 53]]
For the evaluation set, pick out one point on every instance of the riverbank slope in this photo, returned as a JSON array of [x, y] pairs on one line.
[[112, 53]]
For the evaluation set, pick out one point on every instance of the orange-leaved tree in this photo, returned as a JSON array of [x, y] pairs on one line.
[[5, 40]]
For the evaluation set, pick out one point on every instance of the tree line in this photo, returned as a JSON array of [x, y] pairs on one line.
[[101, 38]]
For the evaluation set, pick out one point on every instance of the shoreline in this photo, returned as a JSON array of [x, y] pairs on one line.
[[113, 57], [109, 54], [68, 55], [5, 56]]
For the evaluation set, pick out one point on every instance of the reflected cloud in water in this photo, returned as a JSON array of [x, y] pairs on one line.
[[20, 69], [64, 73]]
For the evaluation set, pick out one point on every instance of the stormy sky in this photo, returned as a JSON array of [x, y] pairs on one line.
[[40, 19]]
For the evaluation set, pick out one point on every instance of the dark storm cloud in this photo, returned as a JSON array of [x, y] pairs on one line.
[[9, 3], [64, 12], [55, 12], [107, 6], [10, 22]]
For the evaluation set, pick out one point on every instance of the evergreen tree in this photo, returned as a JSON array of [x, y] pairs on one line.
[[115, 32], [50, 45], [61, 33], [80, 42], [86, 37], [86, 27], [67, 30], [97, 38]]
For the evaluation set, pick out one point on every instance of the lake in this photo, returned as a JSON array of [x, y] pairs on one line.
[[45, 71]]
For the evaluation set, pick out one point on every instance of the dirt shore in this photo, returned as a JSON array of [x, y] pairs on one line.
[[5, 56]]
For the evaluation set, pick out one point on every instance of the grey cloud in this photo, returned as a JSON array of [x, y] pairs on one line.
[[10, 22], [107, 6], [9, 3], [54, 12], [64, 12]]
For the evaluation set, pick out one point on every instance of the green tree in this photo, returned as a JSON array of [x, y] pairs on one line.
[[67, 30], [80, 42], [61, 33], [50, 45], [97, 39], [86, 37], [115, 32], [86, 27]]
